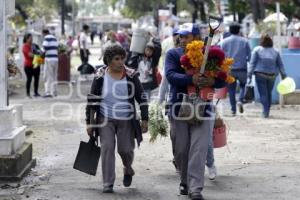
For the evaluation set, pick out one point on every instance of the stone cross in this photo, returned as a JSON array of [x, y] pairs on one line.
[[171, 6]]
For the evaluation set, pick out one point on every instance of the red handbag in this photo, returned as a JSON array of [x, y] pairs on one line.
[[158, 76]]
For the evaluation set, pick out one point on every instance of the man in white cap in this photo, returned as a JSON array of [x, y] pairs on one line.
[[191, 143]]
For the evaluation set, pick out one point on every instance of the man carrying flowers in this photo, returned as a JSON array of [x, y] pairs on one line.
[[182, 68]]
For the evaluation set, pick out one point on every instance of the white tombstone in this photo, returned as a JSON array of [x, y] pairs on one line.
[[15, 153]]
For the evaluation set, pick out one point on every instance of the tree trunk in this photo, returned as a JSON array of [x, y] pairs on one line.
[[258, 10], [234, 10], [297, 2], [22, 12], [261, 7], [63, 9], [195, 13], [202, 12]]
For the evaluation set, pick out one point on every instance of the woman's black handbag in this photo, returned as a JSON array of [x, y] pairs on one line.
[[88, 156], [249, 93]]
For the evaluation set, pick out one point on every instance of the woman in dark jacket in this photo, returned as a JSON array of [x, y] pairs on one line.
[[112, 100]]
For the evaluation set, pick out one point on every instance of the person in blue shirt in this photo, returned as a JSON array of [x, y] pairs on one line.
[[237, 47], [266, 64], [191, 141]]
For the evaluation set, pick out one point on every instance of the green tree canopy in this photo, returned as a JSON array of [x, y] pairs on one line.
[[35, 9]]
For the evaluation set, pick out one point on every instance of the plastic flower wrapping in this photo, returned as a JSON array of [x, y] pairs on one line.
[[217, 65], [158, 125]]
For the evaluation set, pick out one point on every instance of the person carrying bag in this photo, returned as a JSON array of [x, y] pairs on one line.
[[112, 102]]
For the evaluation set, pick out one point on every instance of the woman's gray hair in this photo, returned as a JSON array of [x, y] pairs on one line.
[[112, 51]]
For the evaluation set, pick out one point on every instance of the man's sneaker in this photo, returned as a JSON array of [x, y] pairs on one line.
[[265, 115], [183, 190], [240, 106], [233, 113], [212, 172], [108, 189], [127, 180]]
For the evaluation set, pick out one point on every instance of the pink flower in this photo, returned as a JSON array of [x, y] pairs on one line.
[[216, 53]]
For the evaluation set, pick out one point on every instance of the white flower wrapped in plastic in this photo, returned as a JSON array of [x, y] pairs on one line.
[[158, 125]]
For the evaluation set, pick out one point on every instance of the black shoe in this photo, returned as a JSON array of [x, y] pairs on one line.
[[197, 197], [233, 113], [36, 95], [127, 180], [183, 190], [29, 96], [240, 106], [108, 189]]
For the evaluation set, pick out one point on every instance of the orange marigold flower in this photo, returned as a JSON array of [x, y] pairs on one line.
[[195, 46], [225, 68], [228, 61], [194, 53], [230, 79]]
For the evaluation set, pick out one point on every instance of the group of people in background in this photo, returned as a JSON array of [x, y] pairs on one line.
[[264, 63], [49, 52]]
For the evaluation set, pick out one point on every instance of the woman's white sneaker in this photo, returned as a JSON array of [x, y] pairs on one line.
[[212, 172]]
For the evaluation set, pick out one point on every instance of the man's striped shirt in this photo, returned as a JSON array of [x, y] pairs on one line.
[[50, 45]]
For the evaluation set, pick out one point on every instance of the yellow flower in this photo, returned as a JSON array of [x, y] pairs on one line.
[[226, 65], [195, 45], [228, 61], [194, 53], [225, 68], [230, 79]]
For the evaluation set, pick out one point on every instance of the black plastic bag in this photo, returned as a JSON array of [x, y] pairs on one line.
[[249, 93], [86, 69], [88, 156]]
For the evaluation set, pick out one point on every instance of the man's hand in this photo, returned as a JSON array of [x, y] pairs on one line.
[[207, 81], [196, 79], [144, 126], [202, 81], [89, 130], [283, 76]]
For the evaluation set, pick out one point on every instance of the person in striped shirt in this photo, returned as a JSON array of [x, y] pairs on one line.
[[50, 45]]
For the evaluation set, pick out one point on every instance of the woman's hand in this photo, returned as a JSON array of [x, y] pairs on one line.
[[144, 126], [89, 130]]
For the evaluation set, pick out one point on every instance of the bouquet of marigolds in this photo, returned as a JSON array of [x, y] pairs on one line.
[[158, 125], [37, 60], [217, 66]]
